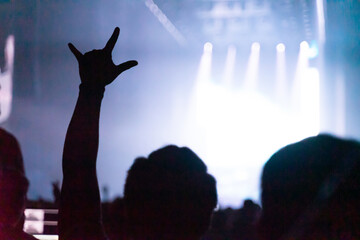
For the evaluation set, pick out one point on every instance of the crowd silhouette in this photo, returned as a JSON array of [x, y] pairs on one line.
[[310, 190], [13, 189]]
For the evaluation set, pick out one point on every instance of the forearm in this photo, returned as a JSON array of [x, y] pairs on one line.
[[82, 137], [80, 198]]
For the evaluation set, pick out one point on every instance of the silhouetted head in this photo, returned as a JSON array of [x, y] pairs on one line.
[[13, 183], [169, 195], [311, 190]]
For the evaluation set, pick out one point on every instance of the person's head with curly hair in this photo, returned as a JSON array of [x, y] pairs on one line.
[[169, 195]]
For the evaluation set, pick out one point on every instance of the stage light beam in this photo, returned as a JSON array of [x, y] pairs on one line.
[[6, 80], [208, 47], [321, 20], [306, 94], [301, 67], [281, 84], [202, 82], [255, 47], [229, 65], [251, 75], [310, 101]]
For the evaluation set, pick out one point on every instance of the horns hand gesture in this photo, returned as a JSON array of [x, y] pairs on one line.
[[96, 67]]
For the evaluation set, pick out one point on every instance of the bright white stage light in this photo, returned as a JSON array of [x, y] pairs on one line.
[[281, 83], [255, 47], [236, 132], [310, 102], [321, 19], [301, 68], [251, 75], [202, 80], [6, 80], [313, 51], [304, 45], [208, 47], [280, 47], [303, 60], [306, 94], [235, 126], [229, 65]]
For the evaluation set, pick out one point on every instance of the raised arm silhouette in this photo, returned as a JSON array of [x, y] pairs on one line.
[[80, 210], [168, 195]]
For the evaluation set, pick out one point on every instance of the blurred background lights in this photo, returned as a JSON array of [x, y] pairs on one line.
[[310, 51], [255, 47], [304, 45], [280, 47], [313, 50], [208, 47]]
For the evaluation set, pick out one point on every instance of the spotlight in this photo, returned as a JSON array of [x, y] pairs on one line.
[[255, 47], [208, 47], [280, 47], [304, 45]]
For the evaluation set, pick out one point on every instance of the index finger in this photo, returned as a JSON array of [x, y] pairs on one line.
[[76, 52], [111, 42]]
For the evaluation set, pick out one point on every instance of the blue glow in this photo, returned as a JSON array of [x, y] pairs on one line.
[[313, 50]]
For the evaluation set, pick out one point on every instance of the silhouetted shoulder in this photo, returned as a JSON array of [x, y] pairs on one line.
[[13, 188], [312, 184], [10, 152]]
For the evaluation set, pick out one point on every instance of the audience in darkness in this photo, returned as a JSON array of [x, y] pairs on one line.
[[13, 189], [169, 195], [311, 191], [245, 220]]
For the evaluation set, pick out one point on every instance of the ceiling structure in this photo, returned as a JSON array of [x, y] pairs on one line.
[[237, 22]]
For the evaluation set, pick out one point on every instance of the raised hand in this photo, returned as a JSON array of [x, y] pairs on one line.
[[80, 203], [96, 67]]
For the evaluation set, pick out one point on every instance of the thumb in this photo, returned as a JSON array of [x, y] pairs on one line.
[[125, 66]]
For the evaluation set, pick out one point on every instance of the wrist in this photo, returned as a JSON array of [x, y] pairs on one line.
[[90, 90]]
